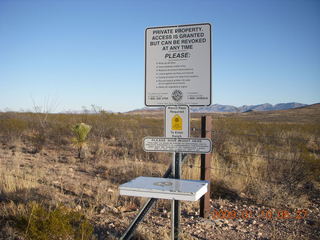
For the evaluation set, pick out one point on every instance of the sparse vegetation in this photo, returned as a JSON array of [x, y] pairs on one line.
[[272, 163], [59, 223]]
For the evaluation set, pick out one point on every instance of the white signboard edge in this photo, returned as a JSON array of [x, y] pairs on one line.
[[145, 61]]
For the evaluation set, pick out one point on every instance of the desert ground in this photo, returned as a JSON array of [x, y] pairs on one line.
[[55, 184]]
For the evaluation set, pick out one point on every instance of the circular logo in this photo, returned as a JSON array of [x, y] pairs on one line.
[[163, 184], [176, 95]]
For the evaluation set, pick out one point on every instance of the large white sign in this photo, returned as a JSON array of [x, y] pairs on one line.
[[178, 65], [184, 145], [177, 122]]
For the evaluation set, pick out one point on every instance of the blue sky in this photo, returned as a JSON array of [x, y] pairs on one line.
[[73, 53]]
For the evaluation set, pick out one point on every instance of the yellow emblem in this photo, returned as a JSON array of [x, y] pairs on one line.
[[176, 122]]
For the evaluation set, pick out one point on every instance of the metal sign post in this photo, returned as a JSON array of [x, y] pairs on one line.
[[175, 207]]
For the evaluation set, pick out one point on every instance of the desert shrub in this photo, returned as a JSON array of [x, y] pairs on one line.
[[266, 160], [80, 132], [60, 223], [59, 134], [59, 129], [12, 128], [38, 140], [312, 164]]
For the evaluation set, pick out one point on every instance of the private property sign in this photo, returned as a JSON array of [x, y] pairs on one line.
[[178, 65]]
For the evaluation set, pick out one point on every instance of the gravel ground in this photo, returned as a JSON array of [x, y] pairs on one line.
[[260, 223]]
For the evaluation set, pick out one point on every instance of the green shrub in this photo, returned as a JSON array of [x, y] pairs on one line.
[[81, 132], [60, 223]]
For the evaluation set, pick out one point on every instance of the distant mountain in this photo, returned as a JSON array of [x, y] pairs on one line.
[[230, 108], [284, 106], [216, 108], [248, 108], [85, 111], [260, 107]]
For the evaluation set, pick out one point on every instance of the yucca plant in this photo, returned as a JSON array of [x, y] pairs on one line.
[[81, 132]]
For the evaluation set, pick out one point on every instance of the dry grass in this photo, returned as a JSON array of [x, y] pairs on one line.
[[270, 163]]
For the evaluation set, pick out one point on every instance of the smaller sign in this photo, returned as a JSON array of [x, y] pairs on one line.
[[177, 122], [184, 145]]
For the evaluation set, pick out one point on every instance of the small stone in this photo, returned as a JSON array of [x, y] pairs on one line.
[[219, 223], [259, 234]]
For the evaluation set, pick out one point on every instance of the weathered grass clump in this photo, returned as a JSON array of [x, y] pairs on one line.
[[60, 223]]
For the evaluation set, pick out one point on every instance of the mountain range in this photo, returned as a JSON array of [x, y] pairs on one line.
[[230, 108], [248, 108]]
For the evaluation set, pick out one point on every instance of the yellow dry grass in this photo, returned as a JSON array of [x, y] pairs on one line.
[[268, 162]]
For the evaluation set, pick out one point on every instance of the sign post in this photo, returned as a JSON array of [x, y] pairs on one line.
[[177, 75], [177, 72], [206, 128], [175, 207]]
